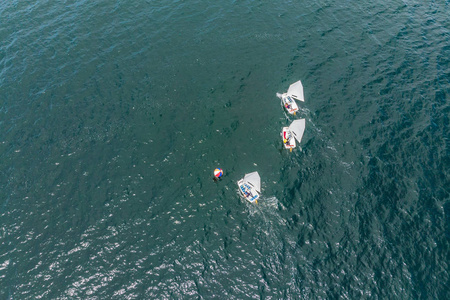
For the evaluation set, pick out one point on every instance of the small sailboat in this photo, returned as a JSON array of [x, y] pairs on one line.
[[250, 187], [293, 132], [295, 92]]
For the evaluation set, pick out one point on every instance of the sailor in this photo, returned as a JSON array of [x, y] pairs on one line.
[[287, 137]]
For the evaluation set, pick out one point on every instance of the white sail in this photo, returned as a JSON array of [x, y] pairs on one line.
[[297, 128], [254, 179], [296, 91]]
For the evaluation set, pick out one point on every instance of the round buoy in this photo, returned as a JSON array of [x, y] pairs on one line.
[[218, 172]]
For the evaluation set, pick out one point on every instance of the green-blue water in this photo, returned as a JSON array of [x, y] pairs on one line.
[[114, 114]]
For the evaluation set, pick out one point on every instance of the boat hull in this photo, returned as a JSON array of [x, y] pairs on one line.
[[247, 191], [289, 104], [289, 143]]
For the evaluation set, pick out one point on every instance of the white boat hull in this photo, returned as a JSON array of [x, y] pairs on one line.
[[288, 142], [248, 191], [289, 103]]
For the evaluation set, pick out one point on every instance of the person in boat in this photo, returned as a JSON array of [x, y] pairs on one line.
[[287, 139]]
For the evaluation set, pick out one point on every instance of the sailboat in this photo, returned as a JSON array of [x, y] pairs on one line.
[[293, 132], [295, 92], [250, 187]]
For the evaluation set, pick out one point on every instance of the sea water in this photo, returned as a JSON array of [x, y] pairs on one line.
[[114, 114]]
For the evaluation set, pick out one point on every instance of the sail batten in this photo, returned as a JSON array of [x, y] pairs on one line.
[[254, 179], [296, 91], [297, 128]]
